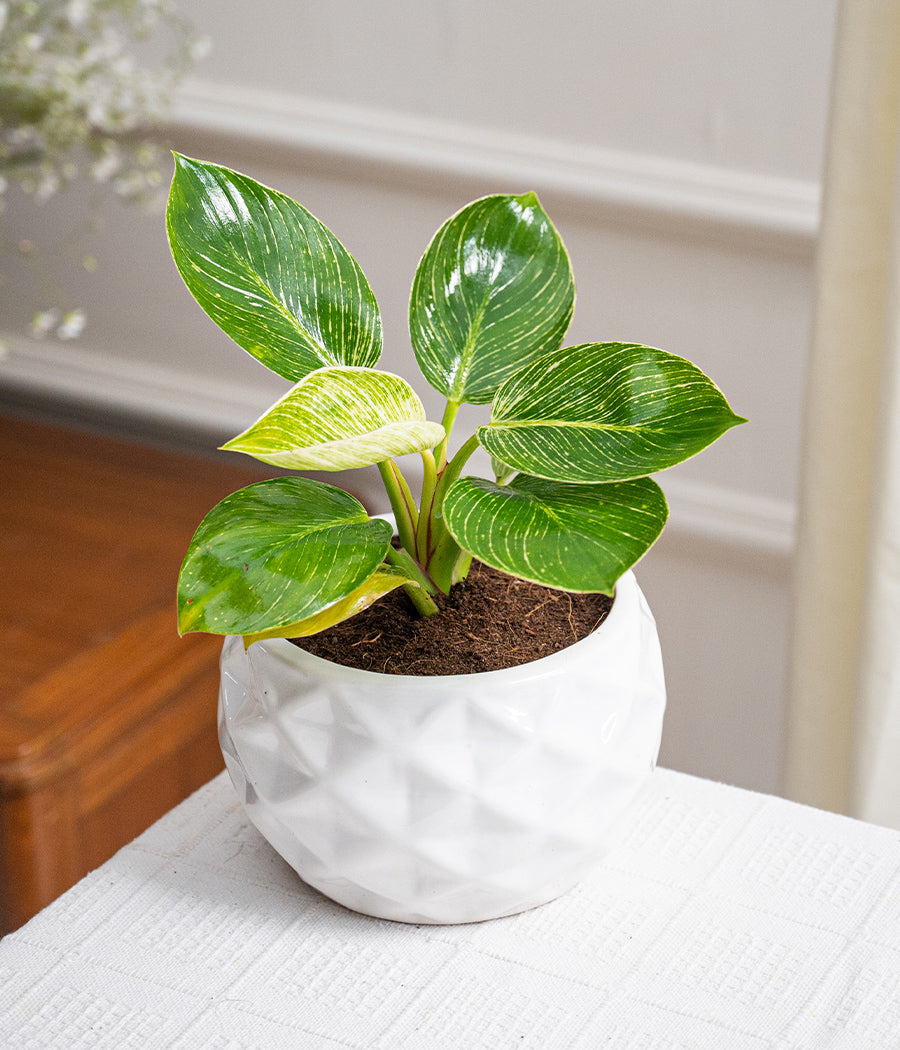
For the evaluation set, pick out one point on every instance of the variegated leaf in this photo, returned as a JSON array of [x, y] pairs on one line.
[[339, 418], [493, 291], [269, 273], [574, 537], [381, 582], [605, 412], [275, 553]]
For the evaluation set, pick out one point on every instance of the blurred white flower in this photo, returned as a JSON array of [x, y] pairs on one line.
[[72, 84], [72, 81], [200, 48], [47, 184], [108, 164], [72, 325], [77, 12], [44, 322]]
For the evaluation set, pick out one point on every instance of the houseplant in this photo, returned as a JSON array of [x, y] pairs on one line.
[[362, 761]]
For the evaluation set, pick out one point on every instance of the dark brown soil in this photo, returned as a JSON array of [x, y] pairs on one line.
[[487, 622]]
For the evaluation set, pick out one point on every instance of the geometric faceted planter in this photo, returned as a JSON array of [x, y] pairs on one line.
[[445, 799]]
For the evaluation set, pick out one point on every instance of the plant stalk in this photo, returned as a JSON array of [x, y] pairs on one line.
[[453, 469], [402, 503], [446, 563], [418, 593], [447, 422], [429, 483]]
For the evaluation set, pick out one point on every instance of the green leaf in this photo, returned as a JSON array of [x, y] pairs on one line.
[[574, 537], [605, 412], [275, 553], [268, 273], [493, 291], [381, 582], [339, 418], [502, 471]]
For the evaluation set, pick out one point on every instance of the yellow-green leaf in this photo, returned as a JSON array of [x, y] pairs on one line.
[[340, 418]]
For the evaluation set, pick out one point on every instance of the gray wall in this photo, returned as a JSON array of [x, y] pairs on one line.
[[677, 147]]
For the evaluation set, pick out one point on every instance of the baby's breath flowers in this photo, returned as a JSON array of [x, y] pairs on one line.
[[82, 82], [67, 326]]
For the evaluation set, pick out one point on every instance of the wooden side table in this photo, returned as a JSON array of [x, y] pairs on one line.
[[95, 751], [107, 717]]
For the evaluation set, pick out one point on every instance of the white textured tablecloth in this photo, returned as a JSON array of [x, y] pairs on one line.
[[723, 920]]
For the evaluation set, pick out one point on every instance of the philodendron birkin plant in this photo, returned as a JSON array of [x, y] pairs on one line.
[[574, 431]]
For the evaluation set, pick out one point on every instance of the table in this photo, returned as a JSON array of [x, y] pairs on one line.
[[107, 718], [722, 919]]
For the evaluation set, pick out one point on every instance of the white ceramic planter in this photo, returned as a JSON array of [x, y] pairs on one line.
[[445, 799]]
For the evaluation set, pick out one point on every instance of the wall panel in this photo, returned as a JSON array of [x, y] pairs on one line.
[[677, 148]]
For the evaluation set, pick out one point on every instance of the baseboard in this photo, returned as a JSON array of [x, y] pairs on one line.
[[599, 184], [91, 385]]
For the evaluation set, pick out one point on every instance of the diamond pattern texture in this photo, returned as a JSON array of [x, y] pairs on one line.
[[445, 799]]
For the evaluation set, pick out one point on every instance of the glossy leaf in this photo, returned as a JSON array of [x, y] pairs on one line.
[[574, 537], [381, 582], [275, 553], [605, 412], [268, 273], [339, 418], [493, 291]]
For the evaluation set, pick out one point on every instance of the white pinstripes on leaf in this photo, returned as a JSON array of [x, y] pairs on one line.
[[340, 418], [601, 412], [493, 291], [574, 537], [269, 273], [274, 553]]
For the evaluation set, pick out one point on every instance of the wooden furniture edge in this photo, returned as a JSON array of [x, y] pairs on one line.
[[111, 718], [81, 707]]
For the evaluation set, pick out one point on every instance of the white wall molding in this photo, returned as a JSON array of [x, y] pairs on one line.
[[98, 382], [738, 520], [771, 211], [95, 383]]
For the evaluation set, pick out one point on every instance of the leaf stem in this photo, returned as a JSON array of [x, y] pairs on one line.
[[429, 484], [419, 592], [447, 562], [402, 503], [454, 468], [447, 423], [462, 566]]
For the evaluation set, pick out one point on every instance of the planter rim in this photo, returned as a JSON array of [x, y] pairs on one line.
[[280, 649]]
